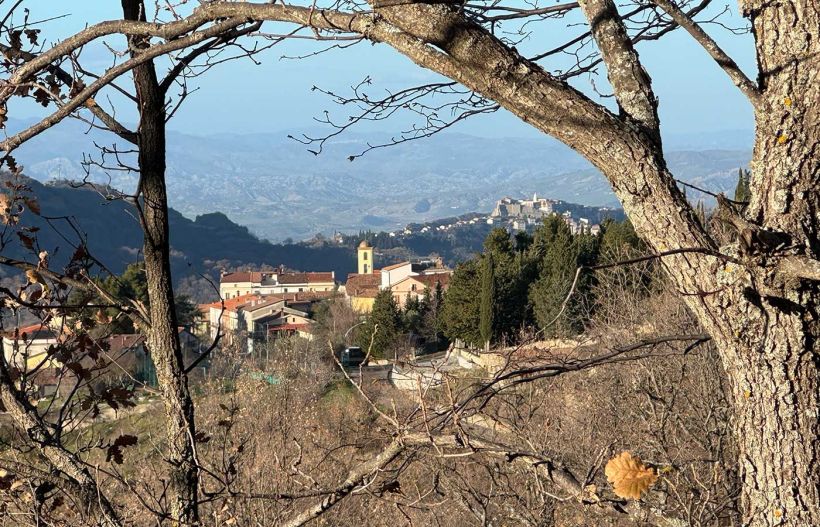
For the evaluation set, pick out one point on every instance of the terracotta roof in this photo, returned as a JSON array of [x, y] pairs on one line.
[[305, 278], [363, 285], [285, 327], [251, 302], [34, 328], [395, 266], [34, 331], [256, 277], [430, 280], [124, 342], [230, 304], [302, 296], [242, 276]]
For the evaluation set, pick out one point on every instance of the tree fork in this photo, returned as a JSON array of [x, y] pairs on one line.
[[768, 343]]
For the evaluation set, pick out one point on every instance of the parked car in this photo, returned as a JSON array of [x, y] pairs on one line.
[[352, 357]]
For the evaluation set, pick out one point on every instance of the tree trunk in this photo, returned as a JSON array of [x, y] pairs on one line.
[[775, 366], [162, 337]]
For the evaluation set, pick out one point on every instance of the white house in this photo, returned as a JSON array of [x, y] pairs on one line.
[[233, 285], [394, 273]]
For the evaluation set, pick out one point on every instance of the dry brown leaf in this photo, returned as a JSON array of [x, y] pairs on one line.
[[32, 205], [34, 277], [5, 208], [629, 476], [102, 318]]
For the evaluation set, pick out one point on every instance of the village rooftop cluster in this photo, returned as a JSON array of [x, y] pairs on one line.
[[256, 307]]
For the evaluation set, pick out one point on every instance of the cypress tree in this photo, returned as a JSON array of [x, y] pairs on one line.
[[547, 293], [513, 271], [383, 326], [413, 314], [487, 300], [700, 211], [742, 191], [460, 310]]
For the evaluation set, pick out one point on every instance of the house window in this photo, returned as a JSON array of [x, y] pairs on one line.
[[301, 289], [364, 257], [413, 287], [286, 290]]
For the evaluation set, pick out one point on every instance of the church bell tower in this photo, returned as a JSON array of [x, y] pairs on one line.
[[365, 258]]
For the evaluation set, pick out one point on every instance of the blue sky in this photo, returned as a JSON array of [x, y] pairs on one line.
[[241, 97]]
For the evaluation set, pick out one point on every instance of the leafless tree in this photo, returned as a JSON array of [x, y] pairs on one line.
[[757, 297]]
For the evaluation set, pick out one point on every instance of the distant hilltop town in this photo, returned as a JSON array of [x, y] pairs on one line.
[[526, 214], [510, 213], [524, 208]]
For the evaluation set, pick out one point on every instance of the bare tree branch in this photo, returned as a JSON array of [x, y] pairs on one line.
[[726, 63], [632, 85]]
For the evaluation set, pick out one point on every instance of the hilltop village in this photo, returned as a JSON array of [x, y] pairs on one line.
[[262, 305], [516, 215], [527, 214], [265, 305], [256, 308]]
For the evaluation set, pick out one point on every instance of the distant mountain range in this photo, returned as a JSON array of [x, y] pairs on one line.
[[279, 190], [204, 245], [211, 242]]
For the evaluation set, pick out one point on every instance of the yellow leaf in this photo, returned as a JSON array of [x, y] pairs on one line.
[[787, 101], [36, 278], [629, 476], [778, 513], [781, 139], [747, 394]]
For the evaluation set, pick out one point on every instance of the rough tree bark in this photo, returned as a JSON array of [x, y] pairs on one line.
[[772, 354], [161, 336]]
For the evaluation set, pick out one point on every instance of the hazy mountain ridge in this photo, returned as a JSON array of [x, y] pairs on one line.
[[279, 190], [212, 242], [204, 245]]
